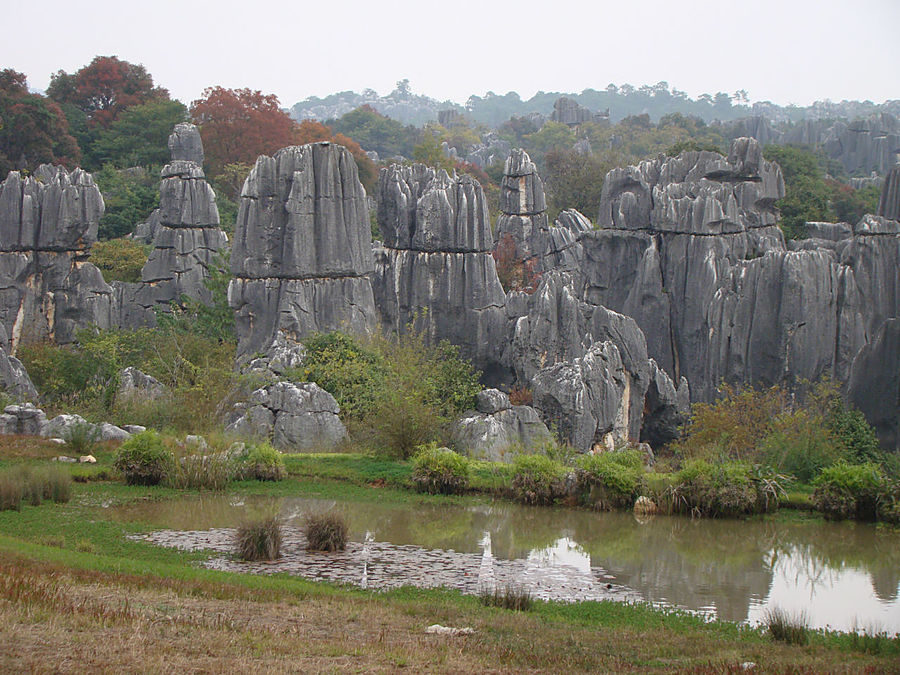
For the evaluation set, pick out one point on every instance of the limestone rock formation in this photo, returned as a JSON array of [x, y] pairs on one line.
[[570, 112], [523, 206], [137, 385], [302, 253], [874, 385], [14, 379], [889, 205], [186, 236], [496, 428], [864, 145], [665, 408], [293, 416], [48, 222], [24, 420], [435, 270]]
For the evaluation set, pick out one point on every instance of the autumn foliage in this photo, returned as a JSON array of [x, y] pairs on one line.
[[515, 273], [238, 125], [104, 88]]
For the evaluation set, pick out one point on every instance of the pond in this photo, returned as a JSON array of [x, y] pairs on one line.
[[845, 576]]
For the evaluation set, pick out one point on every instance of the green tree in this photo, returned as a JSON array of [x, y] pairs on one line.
[[140, 135], [430, 152], [374, 131], [130, 196]]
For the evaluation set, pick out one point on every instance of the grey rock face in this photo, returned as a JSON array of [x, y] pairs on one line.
[[421, 209], [134, 384], [865, 145], [874, 385], [587, 399], [14, 379], [302, 255], [48, 290], [495, 436], [435, 270], [490, 401], [889, 205], [665, 408], [185, 143], [146, 231], [523, 205], [61, 425], [293, 416], [491, 150], [571, 112], [26, 420]]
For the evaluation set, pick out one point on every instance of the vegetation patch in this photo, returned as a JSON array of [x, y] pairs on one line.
[[326, 532], [440, 470], [537, 479], [258, 539], [144, 459]]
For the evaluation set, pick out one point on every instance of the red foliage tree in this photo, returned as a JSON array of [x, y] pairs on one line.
[[33, 129], [238, 125], [104, 88]]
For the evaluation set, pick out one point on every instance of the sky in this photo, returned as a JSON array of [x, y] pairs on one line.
[[784, 51]]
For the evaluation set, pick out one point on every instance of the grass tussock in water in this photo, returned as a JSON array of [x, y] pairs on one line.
[[326, 532], [510, 596], [783, 626], [259, 540]]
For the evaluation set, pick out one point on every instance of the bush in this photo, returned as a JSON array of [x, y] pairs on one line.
[[119, 259], [440, 471], [787, 628], [511, 596], [81, 437], [724, 489], [144, 460], [259, 540], [326, 532], [262, 462], [537, 479], [849, 491], [611, 480]]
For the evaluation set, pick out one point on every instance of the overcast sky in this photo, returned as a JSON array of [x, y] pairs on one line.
[[785, 51]]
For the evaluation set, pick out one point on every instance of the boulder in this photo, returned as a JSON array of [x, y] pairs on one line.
[[62, 425], [497, 436], [137, 385], [14, 379], [293, 416], [490, 401], [25, 420], [110, 432]]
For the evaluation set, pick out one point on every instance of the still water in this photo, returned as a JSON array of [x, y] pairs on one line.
[[845, 576]]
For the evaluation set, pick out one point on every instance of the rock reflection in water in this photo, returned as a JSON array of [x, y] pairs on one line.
[[731, 569]]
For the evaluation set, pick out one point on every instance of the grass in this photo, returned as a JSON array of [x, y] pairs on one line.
[[68, 573], [326, 532], [259, 540], [786, 627], [510, 596]]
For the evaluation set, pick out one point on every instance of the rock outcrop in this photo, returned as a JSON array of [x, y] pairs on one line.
[[523, 206], [186, 236], [496, 429], [14, 379], [435, 271], [302, 252], [889, 204], [864, 145], [48, 289], [570, 112], [874, 385], [292, 416]]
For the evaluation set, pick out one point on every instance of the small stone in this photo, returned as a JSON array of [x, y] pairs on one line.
[[134, 428], [67, 460], [87, 459]]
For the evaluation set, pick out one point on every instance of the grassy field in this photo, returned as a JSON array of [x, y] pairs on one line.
[[76, 595]]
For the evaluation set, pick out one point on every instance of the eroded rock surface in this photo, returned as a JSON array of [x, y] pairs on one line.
[[874, 385], [302, 254], [496, 430]]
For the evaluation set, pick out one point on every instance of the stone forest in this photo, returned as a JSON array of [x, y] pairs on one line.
[[412, 422]]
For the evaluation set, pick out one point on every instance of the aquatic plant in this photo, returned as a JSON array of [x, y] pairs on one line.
[[510, 596], [259, 539], [786, 627], [144, 459], [326, 532]]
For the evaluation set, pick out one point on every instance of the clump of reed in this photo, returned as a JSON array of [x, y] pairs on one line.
[[326, 532], [510, 596], [259, 539], [784, 626]]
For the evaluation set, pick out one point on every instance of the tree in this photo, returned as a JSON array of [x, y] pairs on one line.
[[33, 129], [430, 153], [238, 125], [104, 89], [140, 136], [575, 181], [374, 131], [130, 197]]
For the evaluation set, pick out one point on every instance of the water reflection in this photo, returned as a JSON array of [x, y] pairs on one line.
[[844, 574]]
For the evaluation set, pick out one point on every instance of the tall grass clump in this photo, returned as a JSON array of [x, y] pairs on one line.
[[259, 539], [144, 459], [849, 491], [326, 532], [724, 489], [440, 470], [537, 479], [12, 492], [261, 462], [510, 596], [34, 486], [610, 480], [81, 437], [783, 626], [195, 470]]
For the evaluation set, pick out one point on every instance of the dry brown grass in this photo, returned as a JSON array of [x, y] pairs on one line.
[[53, 619]]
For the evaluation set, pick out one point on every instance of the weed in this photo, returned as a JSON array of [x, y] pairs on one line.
[[326, 532], [785, 627], [511, 596], [440, 471], [611, 480], [144, 460], [81, 438], [259, 539], [194, 470], [537, 479]]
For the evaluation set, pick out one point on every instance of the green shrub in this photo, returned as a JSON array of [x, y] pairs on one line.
[[119, 259], [440, 471], [723, 489], [144, 460], [262, 462], [611, 480], [81, 437], [537, 479], [849, 491], [784, 627], [856, 435], [259, 539], [802, 445], [326, 532]]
